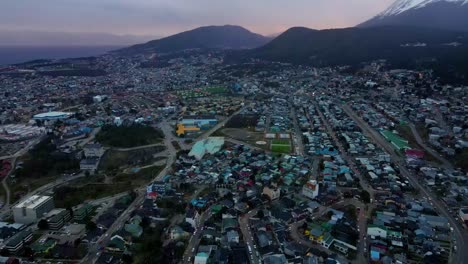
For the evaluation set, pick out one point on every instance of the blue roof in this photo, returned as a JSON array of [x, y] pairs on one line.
[[375, 255]]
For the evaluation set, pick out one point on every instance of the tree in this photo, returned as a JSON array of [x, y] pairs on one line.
[[43, 225], [260, 214], [91, 226], [127, 258], [365, 196], [4, 252]]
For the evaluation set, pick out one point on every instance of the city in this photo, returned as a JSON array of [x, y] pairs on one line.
[[184, 157]]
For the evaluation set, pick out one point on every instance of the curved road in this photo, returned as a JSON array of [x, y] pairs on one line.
[[434, 153]]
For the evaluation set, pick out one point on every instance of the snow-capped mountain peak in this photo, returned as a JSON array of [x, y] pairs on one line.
[[400, 6]]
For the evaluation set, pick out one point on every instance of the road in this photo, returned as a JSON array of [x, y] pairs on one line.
[[434, 153], [297, 136], [6, 208], [94, 250], [218, 126], [5, 184], [191, 250], [459, 233], [44, 188], [343, 152], [248, 238], [23, 151], [361, 257], [364, 210], [139, 147]]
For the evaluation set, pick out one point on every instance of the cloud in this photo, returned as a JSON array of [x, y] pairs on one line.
[[158, 17]]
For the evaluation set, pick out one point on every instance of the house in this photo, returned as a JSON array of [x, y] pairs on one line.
[[310, 189], [89, 164], [93, 150], [116, 244], [155, 189], [204, 253], [192, 217], [177, 233], [377, 231], [463, 213], [271, 192], [275, 259], [211, 234], [232, 236], [134, 228]]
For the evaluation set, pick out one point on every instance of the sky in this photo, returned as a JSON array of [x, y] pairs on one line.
[[165, 17]]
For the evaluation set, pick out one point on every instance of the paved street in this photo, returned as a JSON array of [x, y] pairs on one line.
[[461, 235], [194, 240], [248, 237]]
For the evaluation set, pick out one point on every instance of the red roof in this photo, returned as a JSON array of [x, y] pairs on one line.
[[414, 153]]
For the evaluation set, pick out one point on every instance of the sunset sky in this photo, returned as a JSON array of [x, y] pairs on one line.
[[165, 17]]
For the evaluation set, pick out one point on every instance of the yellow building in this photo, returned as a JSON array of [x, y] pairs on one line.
[[181, 129]]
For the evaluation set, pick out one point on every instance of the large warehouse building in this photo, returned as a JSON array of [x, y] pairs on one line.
[[52, 116], [32, 209]]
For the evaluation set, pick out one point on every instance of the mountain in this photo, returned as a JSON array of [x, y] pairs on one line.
[[356, 45], [210, 37], [46, 38], [405, 47], [442, 14]]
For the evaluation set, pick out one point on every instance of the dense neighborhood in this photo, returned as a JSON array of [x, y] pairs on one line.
[[195, 161]]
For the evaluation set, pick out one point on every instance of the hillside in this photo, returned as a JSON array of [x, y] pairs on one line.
[[401, 46], [210, 37]]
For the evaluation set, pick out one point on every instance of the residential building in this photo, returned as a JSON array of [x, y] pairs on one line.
[[463, 213], [192, 217], [272, 192], [93, 150], [89, 164], [310, 189]]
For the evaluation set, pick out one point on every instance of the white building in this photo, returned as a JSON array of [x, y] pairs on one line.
[[32, 209], [377, 231], [310, 189], [93, 150], [463, 214]]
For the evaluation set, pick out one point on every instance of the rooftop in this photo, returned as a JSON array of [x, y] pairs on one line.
[[33, 201]]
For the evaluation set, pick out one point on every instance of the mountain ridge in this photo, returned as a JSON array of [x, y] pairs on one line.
[[441, 14], [208, 37]]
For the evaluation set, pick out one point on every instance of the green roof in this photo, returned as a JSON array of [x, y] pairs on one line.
[[117, 242], [216, 208], [134, 229], [396, 140]]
